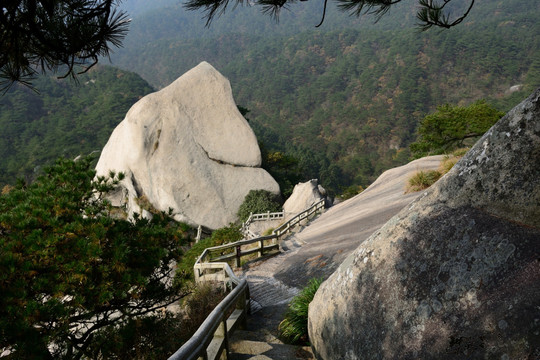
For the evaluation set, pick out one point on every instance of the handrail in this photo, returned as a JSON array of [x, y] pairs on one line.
[[197, 346], [235, 249], [261, 217], [211, 339]]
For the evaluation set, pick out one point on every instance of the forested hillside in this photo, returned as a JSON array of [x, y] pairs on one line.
[[345, 98], [65, 119]]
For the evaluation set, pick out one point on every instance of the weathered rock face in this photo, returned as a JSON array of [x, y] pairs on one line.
[[303, 196], [456, 274], [187, 147]]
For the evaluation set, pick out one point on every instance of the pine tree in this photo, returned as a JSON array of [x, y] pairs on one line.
[[68, 269]]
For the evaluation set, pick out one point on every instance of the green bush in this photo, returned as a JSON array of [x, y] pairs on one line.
[[220, 236], [258, 201], [227, 234], [159, 335], [293, 329], [351, 191]]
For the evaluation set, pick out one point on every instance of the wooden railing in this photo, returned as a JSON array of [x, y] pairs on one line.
[[237, 250], [210, 342], [259, 217]]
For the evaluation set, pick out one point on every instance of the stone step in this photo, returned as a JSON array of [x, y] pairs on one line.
[[254, 306], [291, 243], [262, 335], [269, 291], [258, 350]]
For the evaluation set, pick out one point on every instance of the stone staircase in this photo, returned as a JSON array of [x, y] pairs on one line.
[[259, 340], [291, 243], [270, 298]]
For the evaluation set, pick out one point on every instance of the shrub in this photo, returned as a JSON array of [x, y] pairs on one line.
[[351, 191], [227, 234], [259, 201], [200, 303], [220, 236], [159, 335], [422, 180], [447, 164], [293, 329]]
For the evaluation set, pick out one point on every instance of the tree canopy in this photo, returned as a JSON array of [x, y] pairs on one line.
[[450, 126], [39, 35], [63, 35], [69, 270]]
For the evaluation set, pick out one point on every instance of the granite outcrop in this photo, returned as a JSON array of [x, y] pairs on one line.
[[456, 273], [186, 148]]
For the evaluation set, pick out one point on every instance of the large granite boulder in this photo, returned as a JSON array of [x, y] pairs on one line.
[[455, 274], [188, 148], [303, 196]]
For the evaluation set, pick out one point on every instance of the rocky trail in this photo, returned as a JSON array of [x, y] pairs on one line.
[[269, 300], [315, 251]]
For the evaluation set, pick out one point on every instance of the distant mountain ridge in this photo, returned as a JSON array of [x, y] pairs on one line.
[[168, 19], [345, 98], [65, 119]]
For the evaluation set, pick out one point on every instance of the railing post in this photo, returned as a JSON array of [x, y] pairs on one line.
[[238, 256], [242, 306], [221, 331], [261, 248], [225, 281], [199, 234]]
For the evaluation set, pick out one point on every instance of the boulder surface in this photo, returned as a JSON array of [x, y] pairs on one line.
[[455, 274], [187, 148], [303, 196]]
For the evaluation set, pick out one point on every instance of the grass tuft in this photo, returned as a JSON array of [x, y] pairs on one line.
[[293, 329], [422, 180]]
